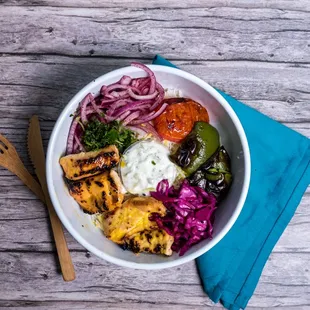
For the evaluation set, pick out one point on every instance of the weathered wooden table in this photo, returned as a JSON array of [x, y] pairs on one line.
[[257, 51]]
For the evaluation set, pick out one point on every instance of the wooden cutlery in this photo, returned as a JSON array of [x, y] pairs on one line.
[[10, 160], [36, 153]]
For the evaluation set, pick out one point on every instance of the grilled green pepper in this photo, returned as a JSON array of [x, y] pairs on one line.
[[198, 147], [214, 176]]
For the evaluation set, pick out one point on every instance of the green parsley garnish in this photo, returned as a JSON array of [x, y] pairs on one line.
[[98, 135], [153, 162]]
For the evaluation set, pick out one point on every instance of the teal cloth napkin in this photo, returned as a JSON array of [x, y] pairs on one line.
[[280, 175]]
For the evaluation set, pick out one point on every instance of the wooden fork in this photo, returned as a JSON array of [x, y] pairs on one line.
[[10, 160]]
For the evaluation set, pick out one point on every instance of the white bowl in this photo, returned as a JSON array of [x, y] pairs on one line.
[[233, 138]]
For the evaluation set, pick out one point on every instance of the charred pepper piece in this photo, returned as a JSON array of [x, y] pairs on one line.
[[197, 148], [214, 176]]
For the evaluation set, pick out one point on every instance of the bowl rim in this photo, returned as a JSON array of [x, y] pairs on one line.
[[181, 260]]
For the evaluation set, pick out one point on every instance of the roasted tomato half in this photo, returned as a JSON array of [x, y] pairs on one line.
[[177, 121]]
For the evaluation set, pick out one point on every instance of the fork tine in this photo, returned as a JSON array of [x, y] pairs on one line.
[[4, 141]]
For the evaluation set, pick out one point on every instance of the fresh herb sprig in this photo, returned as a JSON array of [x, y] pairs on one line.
[[98, 135]]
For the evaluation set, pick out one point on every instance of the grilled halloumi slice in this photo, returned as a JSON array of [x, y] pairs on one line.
[[152, 241], [99, 193], [131, 218], [85, 164]]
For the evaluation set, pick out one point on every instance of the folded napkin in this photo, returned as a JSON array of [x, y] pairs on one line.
[[280, 175]]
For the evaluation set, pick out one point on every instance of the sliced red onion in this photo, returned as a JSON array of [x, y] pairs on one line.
[[102, 119], [103, 89], [117, 104], [109, 118], [160, 98], [131, 106], [136, 129], [150, 73], [90, 110], [114, 86], [96, 108], [115, 94], [148, 128], [71, 135], [125, 80], [88, 98], [78, 142], [151, 116], [145, 91], [131, 117], [143, 82], [160, 90], [142, 107], [104, 103], [123, 93], [122, 116], [133, 101], [142, 97]]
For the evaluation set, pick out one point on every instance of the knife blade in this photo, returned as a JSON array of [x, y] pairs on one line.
[[37, 156]]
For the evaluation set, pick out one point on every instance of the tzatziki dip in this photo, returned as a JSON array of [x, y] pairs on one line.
[[144, 165]]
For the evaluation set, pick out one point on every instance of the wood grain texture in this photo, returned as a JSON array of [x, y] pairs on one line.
[[210, 33], [37, 156], [10, 160], [99, 281], [257, 51]]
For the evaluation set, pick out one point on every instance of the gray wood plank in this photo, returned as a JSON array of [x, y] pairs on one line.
[[95, 305], [203, 33], [297, 5], [34, 276]]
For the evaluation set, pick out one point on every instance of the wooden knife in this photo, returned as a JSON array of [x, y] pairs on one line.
[[36, 153]]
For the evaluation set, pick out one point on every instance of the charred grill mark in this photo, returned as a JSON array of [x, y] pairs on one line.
[[108, 154], [87, 212], [103, 161], [157, 249], [74, 186], [91, 160], [113, 163], [99, 159], [99, 184], [148, 237], [131, 245], [95, 170], [135, 247], [124, 246], [111, 181], [104, 205]]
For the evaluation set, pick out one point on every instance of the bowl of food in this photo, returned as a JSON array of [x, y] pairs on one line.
[[148, 167]]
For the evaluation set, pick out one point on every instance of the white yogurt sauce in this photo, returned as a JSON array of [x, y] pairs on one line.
[[144, 165]]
